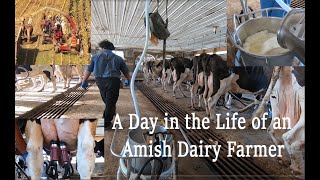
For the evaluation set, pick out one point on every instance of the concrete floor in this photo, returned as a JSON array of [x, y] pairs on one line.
[[187, 167], [91, 106]]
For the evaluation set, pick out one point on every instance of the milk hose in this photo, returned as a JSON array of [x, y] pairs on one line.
[[135, 102]]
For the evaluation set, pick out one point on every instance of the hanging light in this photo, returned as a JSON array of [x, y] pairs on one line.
[[214, 29]]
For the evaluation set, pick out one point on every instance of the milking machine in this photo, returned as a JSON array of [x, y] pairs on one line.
[[59, 156], [145, 165], [290, 32], [138, 165]]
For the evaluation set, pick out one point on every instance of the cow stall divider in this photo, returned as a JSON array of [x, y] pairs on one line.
[[142, 166]]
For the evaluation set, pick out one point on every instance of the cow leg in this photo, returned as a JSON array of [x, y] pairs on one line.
[[205, 86], [209, 92], [80, 78], [193, 92], [54, 82], [174, 89], [34, 82], [212, 101], [154, 80], [182, 78], [68, 82], [295, 148], [225, 86], [200, 99], [43, 80], [261, 109], [65, 82], [18, 87], [85, 154], [297, 159], [276, 136], [164, 81], [294, 140], [34, 148], [146, 75]]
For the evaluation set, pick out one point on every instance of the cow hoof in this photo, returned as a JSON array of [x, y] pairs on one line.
[[297, 174], [248, 125], [284, 162]]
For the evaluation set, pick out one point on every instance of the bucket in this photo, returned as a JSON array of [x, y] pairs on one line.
[[253, 26], [136, 138]]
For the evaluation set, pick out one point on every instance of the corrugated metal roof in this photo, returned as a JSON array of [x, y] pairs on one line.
[[190, 23]]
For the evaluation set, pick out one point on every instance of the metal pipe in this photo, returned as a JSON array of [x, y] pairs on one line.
[[118, 173], [136, 106], [244, 8], [123, 166], [283, 5], [113, 142]]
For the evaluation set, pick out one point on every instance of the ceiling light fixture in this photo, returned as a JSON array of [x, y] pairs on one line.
[[214, 28]]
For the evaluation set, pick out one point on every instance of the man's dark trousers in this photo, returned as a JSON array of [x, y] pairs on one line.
[[109, 91]]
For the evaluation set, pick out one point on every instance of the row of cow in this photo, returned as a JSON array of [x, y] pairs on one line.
[[54, 73], [210, 78]]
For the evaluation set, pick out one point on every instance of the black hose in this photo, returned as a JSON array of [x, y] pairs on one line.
[[22, 170], [146, 163]]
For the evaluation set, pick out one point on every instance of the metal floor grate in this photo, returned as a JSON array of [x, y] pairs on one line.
[[226, 168], [57, 106], [298, 4]]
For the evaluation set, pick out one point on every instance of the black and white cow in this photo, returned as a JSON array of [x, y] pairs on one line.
[[181, 71], [219, 79], [43, 73], [152, 70], [166, 74]]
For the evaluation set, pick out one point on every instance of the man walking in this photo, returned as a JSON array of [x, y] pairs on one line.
[[107, 68]]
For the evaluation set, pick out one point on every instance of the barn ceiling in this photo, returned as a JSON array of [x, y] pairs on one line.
[[191, 23]]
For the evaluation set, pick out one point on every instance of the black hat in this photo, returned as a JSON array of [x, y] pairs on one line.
[[105, 44]]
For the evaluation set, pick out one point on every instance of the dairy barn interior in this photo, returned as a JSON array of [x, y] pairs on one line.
[[196, 27]]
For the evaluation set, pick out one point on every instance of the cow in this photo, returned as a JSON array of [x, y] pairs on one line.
[[42, 72], [152, 70], [55, 73], [62, 136], [181, 71], [219, 79], [166, 74], [66, 72], [198, 82], [287, 99]]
